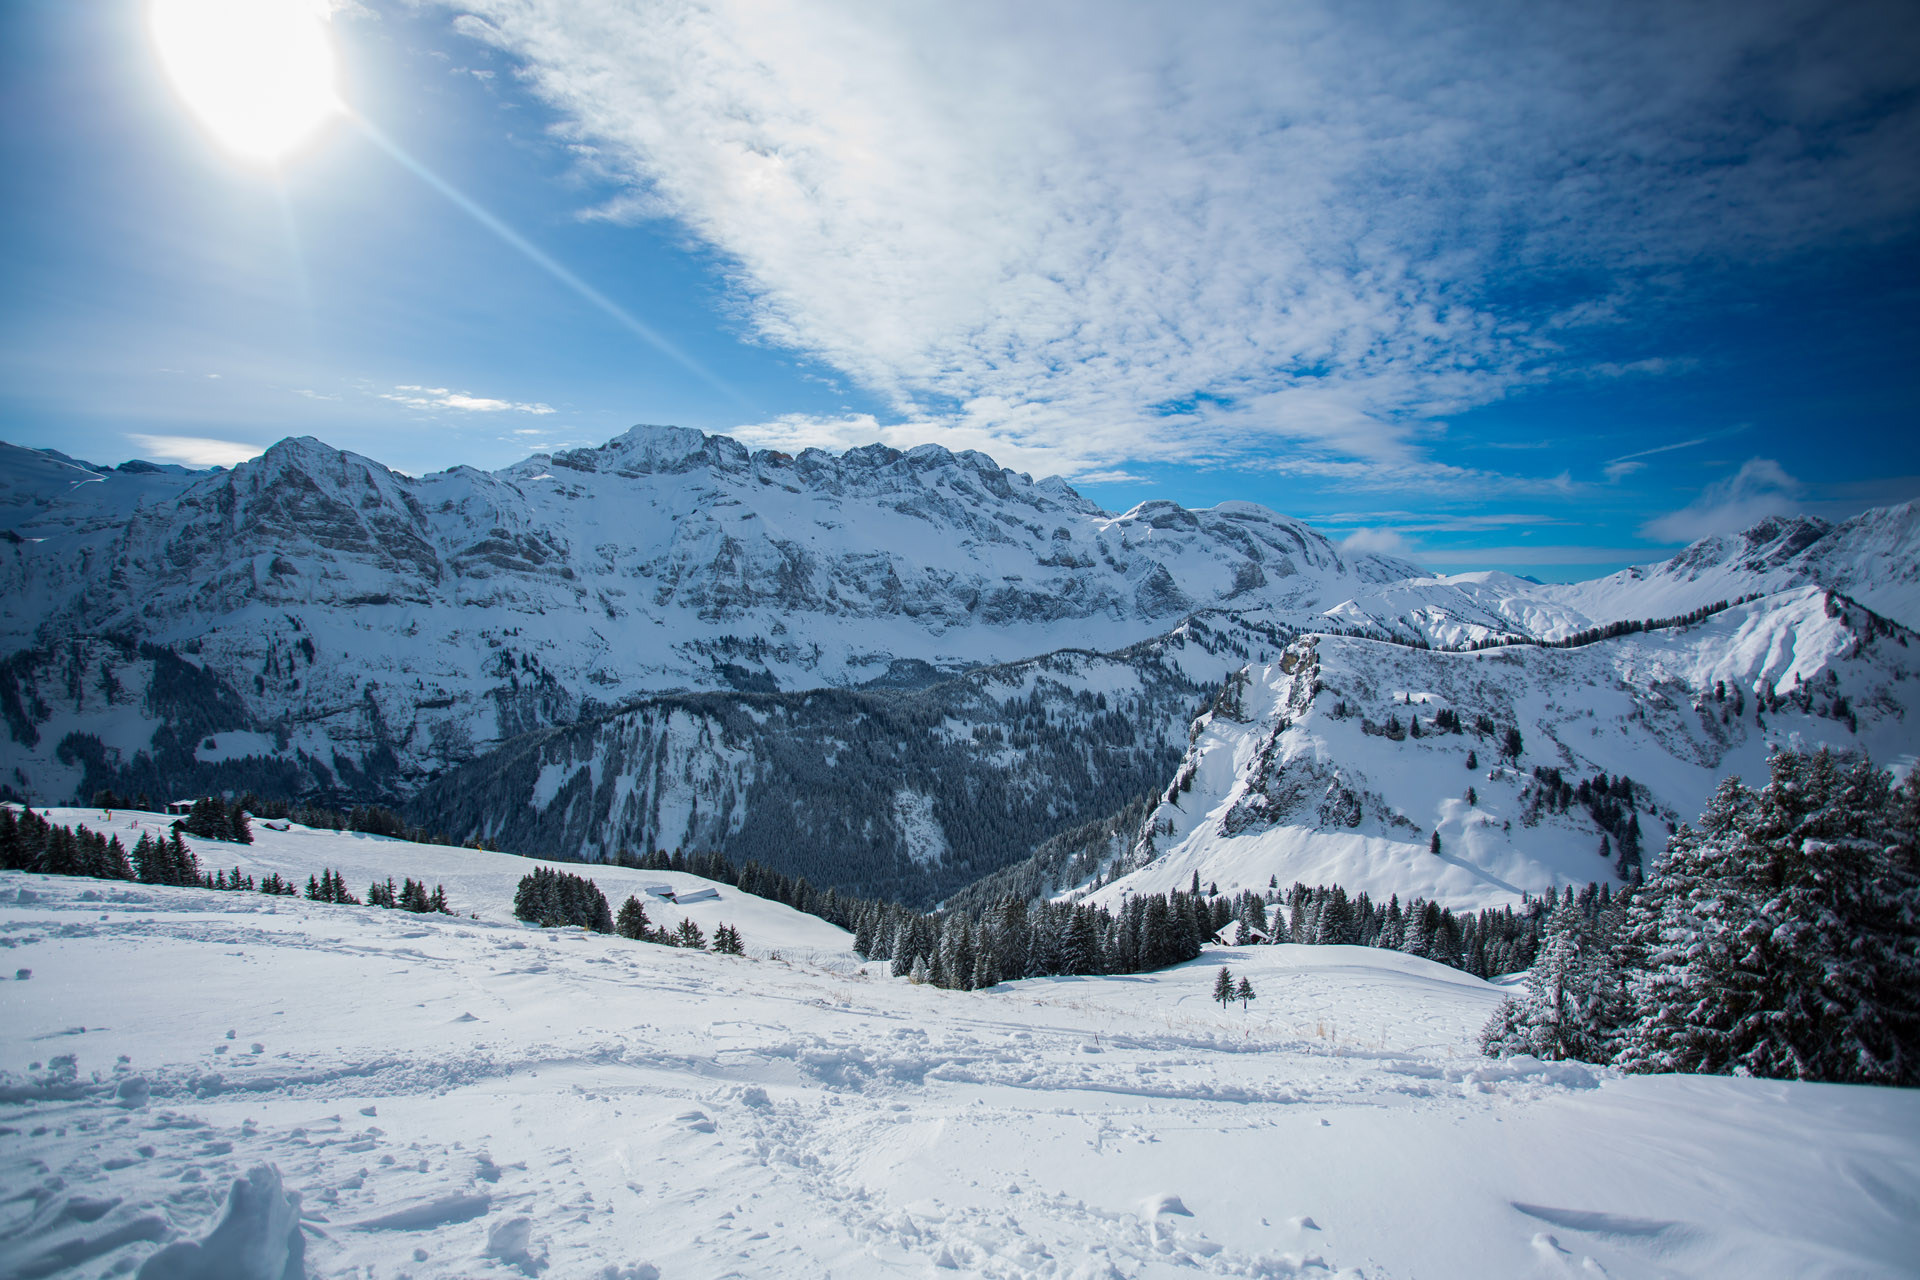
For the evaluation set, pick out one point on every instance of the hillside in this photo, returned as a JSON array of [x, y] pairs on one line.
[[480, 884]]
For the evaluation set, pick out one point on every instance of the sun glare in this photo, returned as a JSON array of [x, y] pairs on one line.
[[258, 73]]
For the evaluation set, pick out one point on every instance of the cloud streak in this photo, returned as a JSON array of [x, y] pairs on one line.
[[195, 451], [1112, 233], [441, 398]]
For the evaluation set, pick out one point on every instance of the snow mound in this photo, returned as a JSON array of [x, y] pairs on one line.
[[258, 1238]]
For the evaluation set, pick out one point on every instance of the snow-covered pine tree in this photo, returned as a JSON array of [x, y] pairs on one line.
[[1782, 938], [1253, 922], [1223, 986], [1574, 1002], [1082, 950], [1244, 993]]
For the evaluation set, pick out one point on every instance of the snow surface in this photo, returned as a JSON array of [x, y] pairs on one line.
[[472, 1097]]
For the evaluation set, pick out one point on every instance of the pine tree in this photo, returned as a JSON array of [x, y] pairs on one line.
[[1574, 1002], [413, 896], [1223, 986], [1243, 992], [632, 921]]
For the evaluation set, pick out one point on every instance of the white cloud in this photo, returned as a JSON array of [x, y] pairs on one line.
[[441, 398], [1110, 232], [195, 451], [1617, 471], [1761, 488], [1389, 542]]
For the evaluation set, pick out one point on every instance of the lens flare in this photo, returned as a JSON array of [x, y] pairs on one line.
[[258, 73]]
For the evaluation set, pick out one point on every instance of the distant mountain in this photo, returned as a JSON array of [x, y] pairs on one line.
[[1874, 558]]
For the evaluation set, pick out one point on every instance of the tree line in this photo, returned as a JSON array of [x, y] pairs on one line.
[[975, 942], [30, 842]]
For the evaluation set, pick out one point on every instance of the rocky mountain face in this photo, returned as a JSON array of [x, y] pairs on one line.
[[616, 647]]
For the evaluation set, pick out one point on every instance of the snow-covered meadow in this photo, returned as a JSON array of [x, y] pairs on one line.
[[467, 1096]]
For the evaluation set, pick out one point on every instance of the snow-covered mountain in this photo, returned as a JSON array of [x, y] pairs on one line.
[[1339, 762], [613, 646], [1874, 558], [361, 613], [906, 794]]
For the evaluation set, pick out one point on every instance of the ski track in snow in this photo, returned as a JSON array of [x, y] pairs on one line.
[[454, 1096]]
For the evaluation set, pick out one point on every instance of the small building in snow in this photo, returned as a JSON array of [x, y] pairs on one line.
[[698, 895]]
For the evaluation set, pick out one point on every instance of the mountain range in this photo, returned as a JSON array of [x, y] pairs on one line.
[[892, 671]]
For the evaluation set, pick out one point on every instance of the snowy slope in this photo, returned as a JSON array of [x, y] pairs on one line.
[[464, 1098], [903, 794], [1296, 781]]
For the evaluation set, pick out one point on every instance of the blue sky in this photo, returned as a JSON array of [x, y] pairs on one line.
[[1541, 287]]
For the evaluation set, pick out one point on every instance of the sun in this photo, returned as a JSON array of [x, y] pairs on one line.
[[258, 73]]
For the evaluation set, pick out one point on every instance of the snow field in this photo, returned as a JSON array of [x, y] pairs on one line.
[[460, 1097]]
